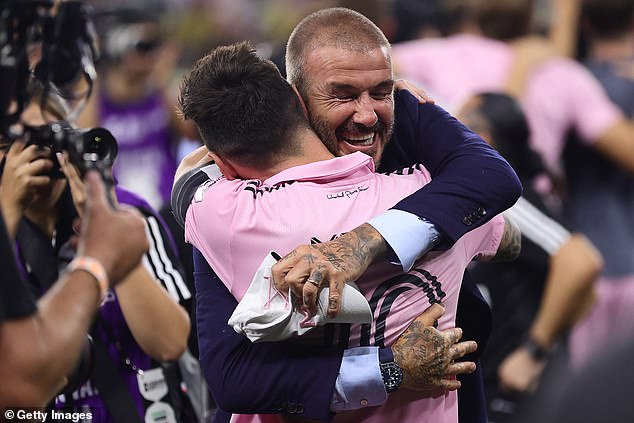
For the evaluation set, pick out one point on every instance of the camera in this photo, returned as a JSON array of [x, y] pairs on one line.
[[94, 148], [68, 50]]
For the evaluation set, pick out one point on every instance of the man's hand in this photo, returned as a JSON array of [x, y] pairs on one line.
[[196, 158], [77, 188], [520, 372], [24, 172], [115, 237], [419, 93], [330, 263], [427, 356]]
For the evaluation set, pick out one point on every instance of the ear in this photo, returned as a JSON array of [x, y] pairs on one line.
[[301, 100], [225, 166]]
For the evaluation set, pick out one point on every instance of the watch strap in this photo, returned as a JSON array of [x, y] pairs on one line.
[[386, 355], [536, 351]]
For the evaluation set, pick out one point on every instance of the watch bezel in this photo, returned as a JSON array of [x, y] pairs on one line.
[[392, 375]]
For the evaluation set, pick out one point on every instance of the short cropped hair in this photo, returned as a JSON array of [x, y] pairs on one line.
[[335, 27], [609, 18], [243, 108]]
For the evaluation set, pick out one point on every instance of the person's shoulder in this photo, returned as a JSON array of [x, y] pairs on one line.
[[561, 67], [218, 188], [408, 110], [406, 102], [130, 198]]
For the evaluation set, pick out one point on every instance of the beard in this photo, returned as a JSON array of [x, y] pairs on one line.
[[325, 134], [330, 140]]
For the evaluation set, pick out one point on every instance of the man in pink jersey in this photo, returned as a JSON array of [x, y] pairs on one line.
[[557, 94], [292, 190]]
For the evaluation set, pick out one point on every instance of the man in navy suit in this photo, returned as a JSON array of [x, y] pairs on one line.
[[471, 183]]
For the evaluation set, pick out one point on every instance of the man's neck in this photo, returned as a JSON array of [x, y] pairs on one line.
[[613, 49], [313, 150]]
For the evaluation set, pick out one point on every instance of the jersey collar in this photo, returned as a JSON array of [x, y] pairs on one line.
[[355, 164]]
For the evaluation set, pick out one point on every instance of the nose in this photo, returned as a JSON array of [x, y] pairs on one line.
[[365, 114]]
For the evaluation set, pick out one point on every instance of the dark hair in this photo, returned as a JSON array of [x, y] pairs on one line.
[[609, 18], [119, 31], [510, 132], [504, 20], [242, 106]]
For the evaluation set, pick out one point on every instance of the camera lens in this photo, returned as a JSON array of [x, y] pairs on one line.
[[99, 143]]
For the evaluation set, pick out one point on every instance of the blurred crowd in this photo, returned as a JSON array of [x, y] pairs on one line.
[[548, 83]]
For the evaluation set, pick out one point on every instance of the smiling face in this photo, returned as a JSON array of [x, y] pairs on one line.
[[350, 99]]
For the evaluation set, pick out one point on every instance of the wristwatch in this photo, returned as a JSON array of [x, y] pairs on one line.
[[536, 351], [390, 371]]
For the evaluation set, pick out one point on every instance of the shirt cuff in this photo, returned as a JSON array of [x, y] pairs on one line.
[[408, 235], [359, 383]]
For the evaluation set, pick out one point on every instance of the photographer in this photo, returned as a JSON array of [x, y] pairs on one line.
[[125, 337], [40, 343]]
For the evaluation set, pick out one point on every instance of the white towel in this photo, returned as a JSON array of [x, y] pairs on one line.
[[265, 314]]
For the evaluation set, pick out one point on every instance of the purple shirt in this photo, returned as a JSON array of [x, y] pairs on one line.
[[146, 162], [112, 328]]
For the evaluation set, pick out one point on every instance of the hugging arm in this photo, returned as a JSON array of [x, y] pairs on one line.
[[470, 184], [278, 377]]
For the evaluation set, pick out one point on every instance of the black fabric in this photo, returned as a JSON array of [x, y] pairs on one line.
[[112, 389], [184, 250], [410, 145], [263, 377], [183, 193], [15, 299], [36, 250], [515, 290]]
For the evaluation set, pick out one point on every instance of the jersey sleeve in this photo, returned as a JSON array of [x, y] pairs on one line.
[[162, 261], [185, 188], [482, 243], [544, 231]]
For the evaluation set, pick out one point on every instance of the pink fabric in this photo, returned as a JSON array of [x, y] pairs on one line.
[[560, 95], [235, 229], [611, 319], [447, 267]]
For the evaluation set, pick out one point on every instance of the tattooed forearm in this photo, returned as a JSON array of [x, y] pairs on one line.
[[511, 243], [354, 251], [371, 245]]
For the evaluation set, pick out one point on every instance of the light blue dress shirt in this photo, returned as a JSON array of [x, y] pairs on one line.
[[359, 383]]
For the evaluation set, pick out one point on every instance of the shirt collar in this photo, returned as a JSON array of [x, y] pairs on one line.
[[336, 168]]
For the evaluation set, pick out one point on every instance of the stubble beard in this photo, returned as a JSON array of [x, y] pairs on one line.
[[329, 138]]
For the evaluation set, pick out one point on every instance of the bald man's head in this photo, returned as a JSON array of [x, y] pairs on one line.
[[335, 27]]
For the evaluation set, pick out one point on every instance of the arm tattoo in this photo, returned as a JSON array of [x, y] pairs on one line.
[[511, 243], [424, 353]]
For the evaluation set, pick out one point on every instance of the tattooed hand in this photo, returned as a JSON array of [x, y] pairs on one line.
[[330, 264], [427, 355]]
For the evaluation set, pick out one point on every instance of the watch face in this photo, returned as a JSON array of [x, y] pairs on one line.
[[392, 376]]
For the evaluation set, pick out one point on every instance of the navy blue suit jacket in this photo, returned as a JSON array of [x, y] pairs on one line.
[[471, 184]]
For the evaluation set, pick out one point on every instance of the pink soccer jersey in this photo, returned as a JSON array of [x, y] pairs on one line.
[[236, 223], [560, 94]]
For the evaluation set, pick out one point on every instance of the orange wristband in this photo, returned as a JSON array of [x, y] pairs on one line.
[[93, 267]]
